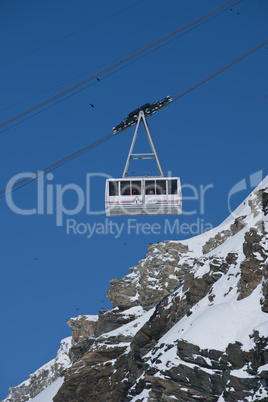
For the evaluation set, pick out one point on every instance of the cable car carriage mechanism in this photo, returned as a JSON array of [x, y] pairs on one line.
[[148, 195]]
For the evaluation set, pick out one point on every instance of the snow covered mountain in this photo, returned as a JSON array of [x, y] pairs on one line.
[[189, 323], [45, 377]]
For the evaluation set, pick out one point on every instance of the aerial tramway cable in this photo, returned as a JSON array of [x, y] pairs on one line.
[[115, 65], [111, 72], [54, 166], [103, 65], [242, 56], [106, 64], [70, 34], [74, 155]]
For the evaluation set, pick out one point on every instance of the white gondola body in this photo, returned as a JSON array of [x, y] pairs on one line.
[[143, 196]]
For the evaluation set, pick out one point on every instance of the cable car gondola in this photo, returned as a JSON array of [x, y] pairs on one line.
[[147, 195]]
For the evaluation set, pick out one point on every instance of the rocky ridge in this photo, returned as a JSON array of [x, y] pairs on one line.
[[189, 322], [43, 377]]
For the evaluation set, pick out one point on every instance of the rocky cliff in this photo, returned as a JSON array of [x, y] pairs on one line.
[[44, 377], [188, 323]]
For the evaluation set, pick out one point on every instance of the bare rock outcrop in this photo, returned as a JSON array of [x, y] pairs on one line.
[[43, 377], [82, 327], [188, 323], [153, 278], [144, 349]]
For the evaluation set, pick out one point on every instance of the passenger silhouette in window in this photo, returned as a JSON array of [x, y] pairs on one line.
[[150, 187], [126, 191], [136, 188]]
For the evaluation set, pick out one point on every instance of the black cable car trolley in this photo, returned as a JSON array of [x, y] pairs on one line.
[[148, 195]]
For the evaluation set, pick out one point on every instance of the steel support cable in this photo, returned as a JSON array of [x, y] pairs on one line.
[[59, 85], [48, 107], [163, 44], [242, 56], [55, 165], [120, 62], [71, 33], [115, 71], [29, 179], [103, 65]]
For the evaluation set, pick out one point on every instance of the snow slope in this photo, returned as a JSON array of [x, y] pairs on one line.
[[48, 393], [230, 261], [45, 378], [221, 317]]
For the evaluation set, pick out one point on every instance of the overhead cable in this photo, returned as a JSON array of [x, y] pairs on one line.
[[29, 179], [114, 60], [74, 155], [71, 33], [117, 64], [114, 71], [220, 70]]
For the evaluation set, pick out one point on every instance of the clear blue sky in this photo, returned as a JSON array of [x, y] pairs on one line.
[[215, 136]]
